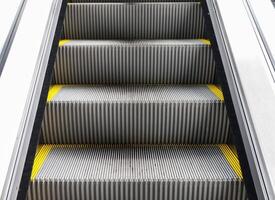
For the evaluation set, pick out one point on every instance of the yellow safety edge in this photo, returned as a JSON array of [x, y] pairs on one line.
[[62, 42], [234, 150], [232, 159], [53, 91], [39, 159], [38, 149], [216, 90], [204, 41]]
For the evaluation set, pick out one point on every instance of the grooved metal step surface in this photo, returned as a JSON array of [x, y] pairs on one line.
[[181, 20], [135, 114], [136, 172], [134, 62]]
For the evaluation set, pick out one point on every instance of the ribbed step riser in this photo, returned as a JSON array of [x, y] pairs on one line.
[[111, 190], [135, 123], [134, 21], [136, 63]]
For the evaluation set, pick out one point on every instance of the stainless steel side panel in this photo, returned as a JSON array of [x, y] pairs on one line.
[[247, 67], [20, 86]]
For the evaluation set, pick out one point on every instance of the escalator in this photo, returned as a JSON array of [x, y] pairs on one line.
[[135, 109]]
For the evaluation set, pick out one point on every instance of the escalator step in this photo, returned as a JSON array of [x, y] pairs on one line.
[[135, 114], [181, 20], [136, 172], [146, 62]]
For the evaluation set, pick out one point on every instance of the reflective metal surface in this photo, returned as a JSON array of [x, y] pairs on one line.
[[20, 87], [10, 13], [263, 16], [247, 69]]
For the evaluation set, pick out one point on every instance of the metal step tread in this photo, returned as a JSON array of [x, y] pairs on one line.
[[88, 170], [141, 2], [134, 62], [136, 93], [135, 114], [154, 20], [167, 42]]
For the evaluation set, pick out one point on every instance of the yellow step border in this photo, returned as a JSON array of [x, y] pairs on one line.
[[53, 92], [216, 90], [38, 149], [204, 41], [234, 150], [63, 42], [39, 159], [232, 159]]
